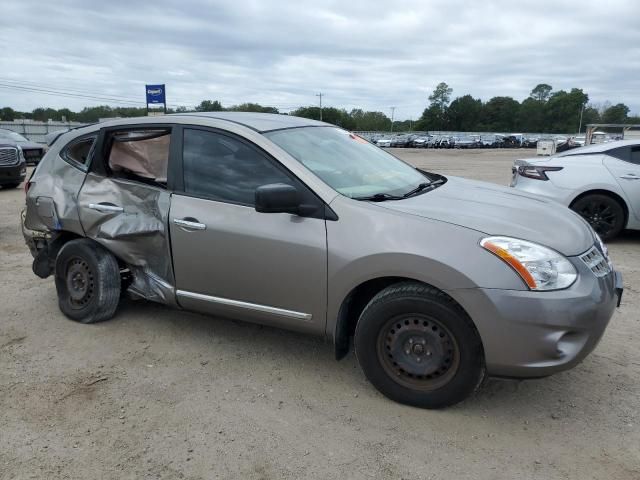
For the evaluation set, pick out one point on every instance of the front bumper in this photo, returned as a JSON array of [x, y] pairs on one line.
[[535, 334], [13, 174]]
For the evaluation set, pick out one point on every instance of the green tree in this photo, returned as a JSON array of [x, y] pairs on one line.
[[541, 92], [67, 114], [209, 106], [589, 115], [563, 110], [531, 115], [500, 115], [336, 116], [616, 114], [252, 107], [434, 116], [43, 114], [370, 121], [441, 95], [8, 114], [464, 114]]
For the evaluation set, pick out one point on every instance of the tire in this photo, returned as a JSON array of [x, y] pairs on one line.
[[446, 369], [9, 186], [87, 281], [604, 213]]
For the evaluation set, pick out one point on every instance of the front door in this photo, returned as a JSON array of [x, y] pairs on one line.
[[232, 261]]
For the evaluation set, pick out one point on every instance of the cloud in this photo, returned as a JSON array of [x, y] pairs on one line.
[[368, 54]]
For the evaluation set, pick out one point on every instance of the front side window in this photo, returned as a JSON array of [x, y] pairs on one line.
[[225, 169], [347, 163]]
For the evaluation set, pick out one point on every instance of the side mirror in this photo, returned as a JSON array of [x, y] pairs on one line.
[[277, 198]]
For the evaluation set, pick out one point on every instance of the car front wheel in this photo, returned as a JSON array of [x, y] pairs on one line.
[[87, 281], [418, 347]]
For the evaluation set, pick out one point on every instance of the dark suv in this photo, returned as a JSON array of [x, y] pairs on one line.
[[13, 167]]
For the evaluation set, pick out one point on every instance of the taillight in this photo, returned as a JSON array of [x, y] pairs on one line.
[[27, 185], [536, 172]]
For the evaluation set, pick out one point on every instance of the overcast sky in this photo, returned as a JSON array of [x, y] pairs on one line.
[[370, 54]]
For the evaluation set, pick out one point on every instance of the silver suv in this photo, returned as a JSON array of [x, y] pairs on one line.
[[301, 225]]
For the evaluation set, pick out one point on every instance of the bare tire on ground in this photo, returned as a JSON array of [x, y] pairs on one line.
[[417, 346], [604, 214], [88, 281]]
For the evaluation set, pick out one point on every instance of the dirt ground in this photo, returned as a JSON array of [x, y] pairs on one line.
[[159, 393]]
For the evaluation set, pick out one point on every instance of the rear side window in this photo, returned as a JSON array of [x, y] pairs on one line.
[[627, 154], [225, 169], [78, 152], [140, 155]]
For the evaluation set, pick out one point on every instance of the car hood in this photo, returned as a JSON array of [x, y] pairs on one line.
[[30, 145], [23, 145], [496, 210]]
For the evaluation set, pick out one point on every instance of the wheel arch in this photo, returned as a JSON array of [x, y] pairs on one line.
[[609, 193], [44, 261], [357, 299]]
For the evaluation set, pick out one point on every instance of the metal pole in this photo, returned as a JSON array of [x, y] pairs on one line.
[[320, 95], [393, 109], [580, 125]]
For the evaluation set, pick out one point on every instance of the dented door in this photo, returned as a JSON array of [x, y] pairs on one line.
[[129, 218]]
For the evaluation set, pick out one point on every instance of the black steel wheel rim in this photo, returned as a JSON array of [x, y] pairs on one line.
[[80, 283], [600, 216], [418, 351]]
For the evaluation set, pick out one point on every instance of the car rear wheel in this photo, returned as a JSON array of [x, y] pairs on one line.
[[604, 214], [10, 185], [418, 347], [87, 281]]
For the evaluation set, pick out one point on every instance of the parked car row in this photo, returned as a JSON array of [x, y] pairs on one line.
[[455, 141]]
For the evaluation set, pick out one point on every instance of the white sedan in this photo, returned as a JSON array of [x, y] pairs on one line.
[[600, 182]]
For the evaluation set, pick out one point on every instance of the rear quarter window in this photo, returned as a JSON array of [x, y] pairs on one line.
[[79, 151]]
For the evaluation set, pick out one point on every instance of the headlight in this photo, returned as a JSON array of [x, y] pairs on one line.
[[539, 267], [603, 248]]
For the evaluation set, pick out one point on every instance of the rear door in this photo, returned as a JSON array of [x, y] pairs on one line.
[[230, 260], [624, 165], [124, 204]]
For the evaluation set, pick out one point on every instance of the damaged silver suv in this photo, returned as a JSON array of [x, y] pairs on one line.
[[301, 225]]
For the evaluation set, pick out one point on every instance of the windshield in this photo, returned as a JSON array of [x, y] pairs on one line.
[[346, 162], [13, 136]]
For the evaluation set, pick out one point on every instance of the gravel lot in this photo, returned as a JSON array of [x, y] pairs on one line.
[[159, 393]]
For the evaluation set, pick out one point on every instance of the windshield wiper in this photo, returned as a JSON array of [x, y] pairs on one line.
[[421, 187], [379, 197]]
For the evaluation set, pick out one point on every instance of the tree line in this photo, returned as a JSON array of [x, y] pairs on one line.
[[543, 111]]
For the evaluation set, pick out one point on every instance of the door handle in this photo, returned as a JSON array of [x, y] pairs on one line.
[[106, 208], [630, 176], [189, 224]]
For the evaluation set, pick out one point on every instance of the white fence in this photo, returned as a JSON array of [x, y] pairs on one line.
[[36, 131]]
